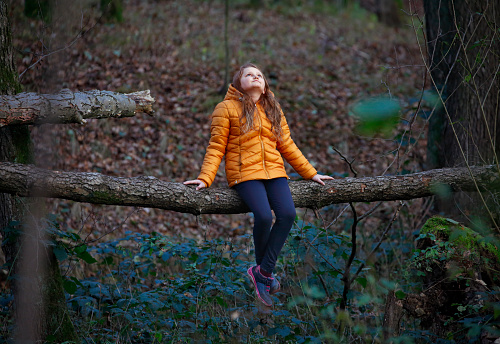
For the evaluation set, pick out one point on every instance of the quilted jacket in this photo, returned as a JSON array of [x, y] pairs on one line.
[[255, 154]]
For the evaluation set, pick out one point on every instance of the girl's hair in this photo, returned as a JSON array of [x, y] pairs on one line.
[[269, 103]]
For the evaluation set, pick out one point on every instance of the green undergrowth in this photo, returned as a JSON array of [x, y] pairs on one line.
[[152, 288], [159, 289]]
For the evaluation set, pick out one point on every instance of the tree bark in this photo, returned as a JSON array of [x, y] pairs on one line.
[[463, 52], [392, 315], [143, 191], [71, 107], [463, 47], [40, 306]]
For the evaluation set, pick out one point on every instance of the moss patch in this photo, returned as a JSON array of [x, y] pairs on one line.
[[465, 240]]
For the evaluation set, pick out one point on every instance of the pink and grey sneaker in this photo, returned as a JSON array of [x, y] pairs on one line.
[[275, 286], [262, 285]]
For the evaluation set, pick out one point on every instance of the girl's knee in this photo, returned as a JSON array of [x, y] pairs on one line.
[[264, 219], [287, 215]]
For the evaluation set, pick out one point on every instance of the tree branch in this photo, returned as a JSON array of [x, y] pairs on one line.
[[143, 191], [71, 107]]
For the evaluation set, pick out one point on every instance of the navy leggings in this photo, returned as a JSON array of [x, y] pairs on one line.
[[261, 196]]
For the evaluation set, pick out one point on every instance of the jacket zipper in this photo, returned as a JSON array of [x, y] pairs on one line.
[[262, 143]]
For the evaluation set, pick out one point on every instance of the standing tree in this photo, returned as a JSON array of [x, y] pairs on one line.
[[44, 280], [464, 47]]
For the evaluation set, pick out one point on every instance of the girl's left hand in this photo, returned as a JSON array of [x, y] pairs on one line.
[[320, 177]]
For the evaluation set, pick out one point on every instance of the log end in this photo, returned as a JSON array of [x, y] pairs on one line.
[[143, 100]]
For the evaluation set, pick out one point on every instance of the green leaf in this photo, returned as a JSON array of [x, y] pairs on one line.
[[80, 249], [496, 311], [108, 260], [314, 291], [378, 115], [87, 257], [69, 286], [362, 281], [221, 301], [282, 331], [443, 191], [78, 283], [400, 294], [60, 253]]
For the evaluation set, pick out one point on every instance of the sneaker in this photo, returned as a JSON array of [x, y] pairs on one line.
[[275, 286], [262, 285]]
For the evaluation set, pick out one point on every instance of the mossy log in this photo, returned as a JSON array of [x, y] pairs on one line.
[[455, 267]]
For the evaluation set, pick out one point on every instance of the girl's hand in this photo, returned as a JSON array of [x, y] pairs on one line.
[[320, 177], [200, 184]]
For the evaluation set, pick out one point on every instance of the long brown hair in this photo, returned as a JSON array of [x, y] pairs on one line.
[[269, 103]]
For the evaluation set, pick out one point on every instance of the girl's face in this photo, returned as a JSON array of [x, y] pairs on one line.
[[252, 79]]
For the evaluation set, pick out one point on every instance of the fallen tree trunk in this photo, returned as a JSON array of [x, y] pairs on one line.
[[71, 107], [143, 191]]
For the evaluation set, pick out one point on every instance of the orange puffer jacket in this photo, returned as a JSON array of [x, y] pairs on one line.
[[255, 154]]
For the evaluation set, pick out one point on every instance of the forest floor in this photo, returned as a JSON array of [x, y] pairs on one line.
[[320, 61]]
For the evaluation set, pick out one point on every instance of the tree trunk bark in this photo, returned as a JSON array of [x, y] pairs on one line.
[[40, 306], [463, 48], [9, 84], [69, 107], [392, 315], [27, 180]]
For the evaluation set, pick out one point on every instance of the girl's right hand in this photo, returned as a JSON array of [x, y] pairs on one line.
[[200, 184]]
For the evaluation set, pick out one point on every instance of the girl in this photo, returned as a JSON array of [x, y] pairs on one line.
[[251, 130]]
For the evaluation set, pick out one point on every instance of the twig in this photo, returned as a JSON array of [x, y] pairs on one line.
[[322, 256], [389, 226], [348, 163], [79, 35], [347, 272], [320, 279], [116, 227], [369, 212], [338, 216]]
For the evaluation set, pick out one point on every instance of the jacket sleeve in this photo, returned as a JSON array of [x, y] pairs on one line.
[[292, 153], [219, 133]]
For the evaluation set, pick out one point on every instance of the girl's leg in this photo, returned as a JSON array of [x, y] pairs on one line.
[[280, 199], [253, 193]]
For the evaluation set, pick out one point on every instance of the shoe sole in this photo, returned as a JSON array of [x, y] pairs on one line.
[[250, 273]]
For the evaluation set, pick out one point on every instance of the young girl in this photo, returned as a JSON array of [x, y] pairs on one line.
[[251, 130]]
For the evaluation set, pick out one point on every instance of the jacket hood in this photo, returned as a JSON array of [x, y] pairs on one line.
[[233, 93]]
